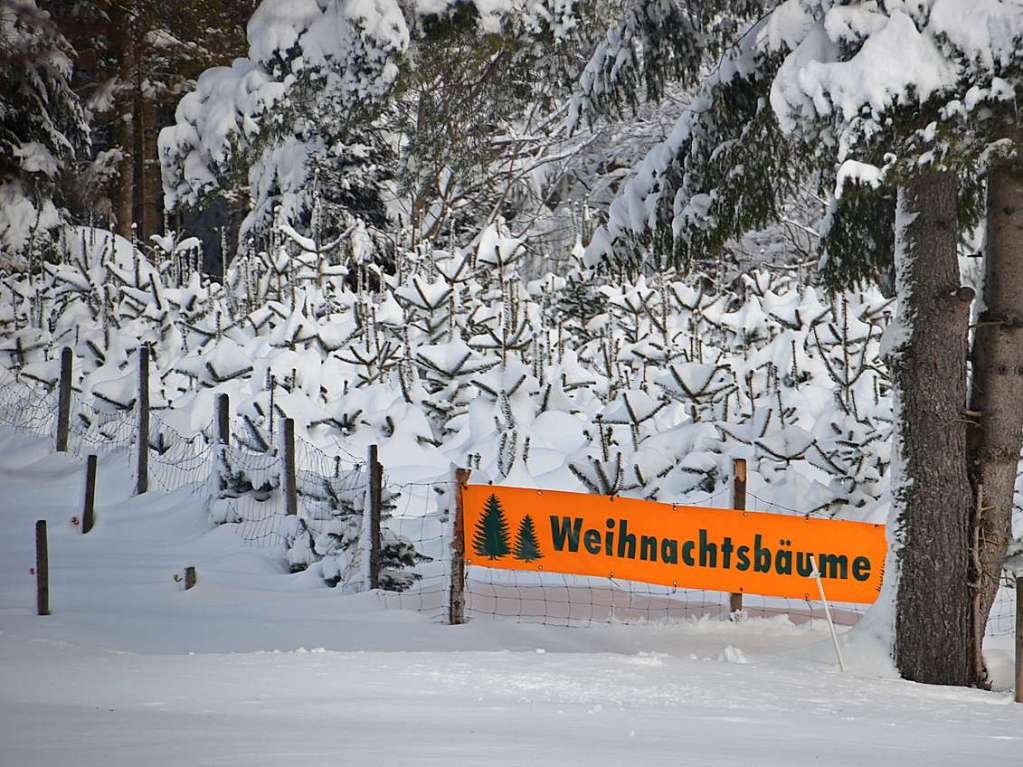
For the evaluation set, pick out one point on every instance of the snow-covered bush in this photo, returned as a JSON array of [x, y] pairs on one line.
[[649, 388]]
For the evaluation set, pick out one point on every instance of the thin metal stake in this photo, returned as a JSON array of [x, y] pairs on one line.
[[827, 612]]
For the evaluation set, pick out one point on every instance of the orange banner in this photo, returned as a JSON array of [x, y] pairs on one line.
[[682, 546]]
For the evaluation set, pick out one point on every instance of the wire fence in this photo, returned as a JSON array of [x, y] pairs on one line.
[[26, 406], [422, 515], [246, 489], [178, 461], [98, 430], [239, 487], [567, 600], [1002, 619]]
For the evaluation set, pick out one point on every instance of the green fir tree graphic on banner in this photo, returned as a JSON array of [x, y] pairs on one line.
[[527, 548], [490, 538]]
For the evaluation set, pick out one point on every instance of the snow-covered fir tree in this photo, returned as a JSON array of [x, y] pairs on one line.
[[42, 126], [812, 89]]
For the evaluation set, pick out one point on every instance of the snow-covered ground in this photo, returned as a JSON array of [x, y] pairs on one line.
[[129, 669]]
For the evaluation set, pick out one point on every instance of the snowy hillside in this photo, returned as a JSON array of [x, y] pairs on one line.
[[255, 666]]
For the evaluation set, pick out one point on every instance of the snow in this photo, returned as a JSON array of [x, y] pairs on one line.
[[19, 215], [34, 157], [858, 173], [987, 31], [815, 83], [343, 51], [753, 374], [628, 407], [635, 207], [862, 62], [273, 112], [852, 75], [258, 667]]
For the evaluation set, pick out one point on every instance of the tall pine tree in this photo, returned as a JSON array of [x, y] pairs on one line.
[[826, 90]]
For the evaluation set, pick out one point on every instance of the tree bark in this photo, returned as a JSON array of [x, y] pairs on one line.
[[996, 400], [123, 43], [151, 221], [934, 614]]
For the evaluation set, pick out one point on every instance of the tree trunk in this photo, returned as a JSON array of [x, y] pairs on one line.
[[997, 395], [152, 196], [121, 25], [932, 498], [148, 191]]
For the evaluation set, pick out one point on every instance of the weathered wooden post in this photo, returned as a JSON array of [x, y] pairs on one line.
[[290, 479], [42, 570], [456, 603], [1019, 639], [223, 420], [190, 577], [271, 384], [738, 502], [223, 436], [142, 466], [89, 507], [376, 477], [64, 400]]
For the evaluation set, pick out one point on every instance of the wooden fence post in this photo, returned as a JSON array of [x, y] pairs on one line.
[[142, 467], [224, 420], [376, 477], [64, 400], [1019, 639], [42, 570], [456, 603], [290, 480], [89, 508], [190, 577], [223, 433], [738, 502]]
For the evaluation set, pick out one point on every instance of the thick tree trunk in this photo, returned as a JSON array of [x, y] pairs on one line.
[[151, 184], [997, 395], [934, 614]]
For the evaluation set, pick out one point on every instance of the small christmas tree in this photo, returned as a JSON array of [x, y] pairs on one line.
[[491, 535], [527, 548]]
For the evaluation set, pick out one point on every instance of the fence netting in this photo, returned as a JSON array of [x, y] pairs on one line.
[[568, 600], [98, 428], [27, 406], [422, 515], [246, 489], [178, 460]]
